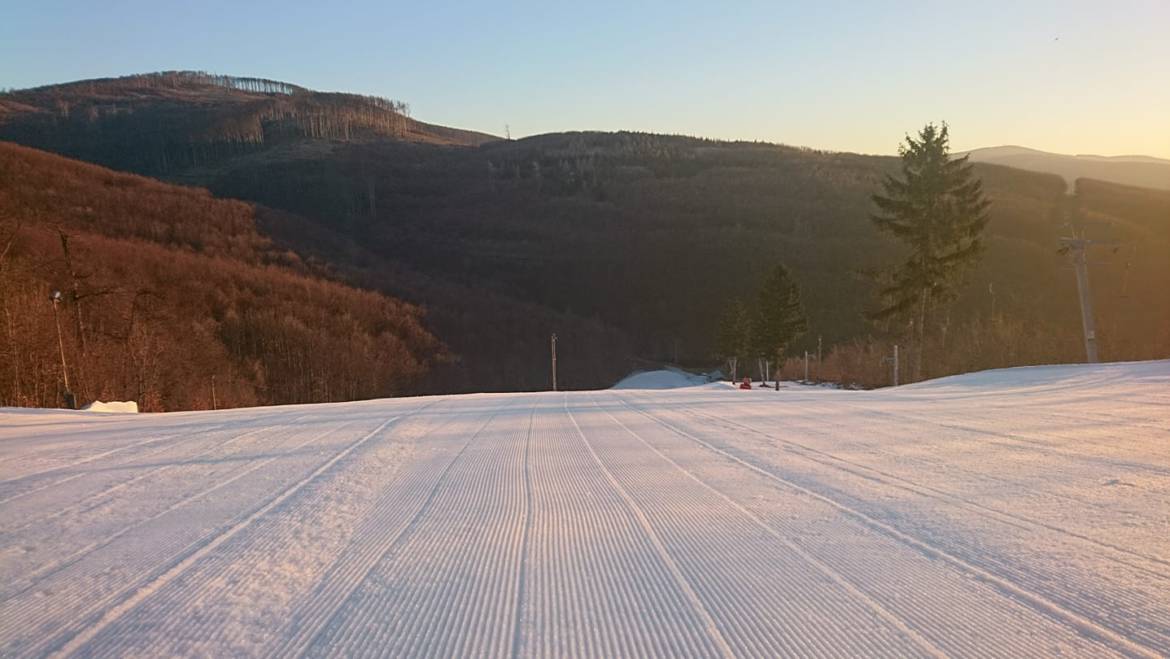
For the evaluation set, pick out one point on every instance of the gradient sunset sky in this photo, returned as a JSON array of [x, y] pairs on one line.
[[1071, 77]]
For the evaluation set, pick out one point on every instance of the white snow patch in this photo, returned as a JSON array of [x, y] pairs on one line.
[[668, 378], [118, 406]]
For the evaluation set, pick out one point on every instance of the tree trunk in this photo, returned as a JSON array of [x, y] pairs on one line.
[[921, 342]]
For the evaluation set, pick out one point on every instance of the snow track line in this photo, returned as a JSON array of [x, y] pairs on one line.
[[1083, 625], [302, 642], [81, 504], [148, 589], [1020, 444], [901, 625], [521, 603], [94, 608], [77, 463], [936, 464], [1014, 520], [680, 580], [47, 570]]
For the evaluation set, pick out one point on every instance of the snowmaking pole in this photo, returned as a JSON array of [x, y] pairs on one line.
[[553, 342], [806, 367]]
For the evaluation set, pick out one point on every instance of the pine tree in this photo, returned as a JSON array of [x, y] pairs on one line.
[[778, 318], [734, 337], [938, 210]]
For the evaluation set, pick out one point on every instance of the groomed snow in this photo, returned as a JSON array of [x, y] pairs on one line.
[[1014, 513]]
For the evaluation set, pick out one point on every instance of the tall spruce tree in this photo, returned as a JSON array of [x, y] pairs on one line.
[[938, 210], [778, 316]]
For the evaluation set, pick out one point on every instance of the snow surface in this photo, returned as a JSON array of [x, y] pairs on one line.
[[1012, 513]]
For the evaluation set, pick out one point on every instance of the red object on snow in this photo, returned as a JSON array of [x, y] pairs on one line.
[[746, 384]]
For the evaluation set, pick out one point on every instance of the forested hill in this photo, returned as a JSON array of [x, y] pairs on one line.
[[162, 123], [629, 245], [172, 298]]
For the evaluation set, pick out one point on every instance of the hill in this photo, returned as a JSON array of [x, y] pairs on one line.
[[161, 123], [628, 245], [1140, 171], [653, 234], [174, 299]]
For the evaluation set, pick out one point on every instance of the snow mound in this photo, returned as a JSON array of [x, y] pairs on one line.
[[120, 406], [662, 379], [1086, 377]]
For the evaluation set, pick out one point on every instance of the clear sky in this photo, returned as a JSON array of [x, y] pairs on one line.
[[1071, 76]]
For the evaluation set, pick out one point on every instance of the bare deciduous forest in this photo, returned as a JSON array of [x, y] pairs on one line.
[[173, 299]]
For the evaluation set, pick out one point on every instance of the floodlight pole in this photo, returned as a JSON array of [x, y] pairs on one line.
[[553, 342], [56, 299]]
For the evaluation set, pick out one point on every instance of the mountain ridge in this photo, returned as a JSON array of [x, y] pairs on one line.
[[1136, 170]]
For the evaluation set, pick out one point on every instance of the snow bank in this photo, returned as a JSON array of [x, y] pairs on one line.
[[663, 379], [125, 407], [1052, 377]]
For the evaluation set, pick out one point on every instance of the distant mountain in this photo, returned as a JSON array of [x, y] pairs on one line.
[[1141, 171]]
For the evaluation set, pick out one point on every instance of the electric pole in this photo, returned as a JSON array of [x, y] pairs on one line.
[[553, 342]]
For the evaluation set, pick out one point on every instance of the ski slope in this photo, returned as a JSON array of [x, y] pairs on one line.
[[1012, 513]]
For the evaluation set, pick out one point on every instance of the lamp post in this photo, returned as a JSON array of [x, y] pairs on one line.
[[553, 342], [70, 402]]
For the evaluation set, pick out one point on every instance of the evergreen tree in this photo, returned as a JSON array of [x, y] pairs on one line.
[[735, 333], [938, 210], [778, 318]]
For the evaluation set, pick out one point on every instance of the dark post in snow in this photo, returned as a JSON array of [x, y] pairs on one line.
[[69, 400], [553, 342]]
